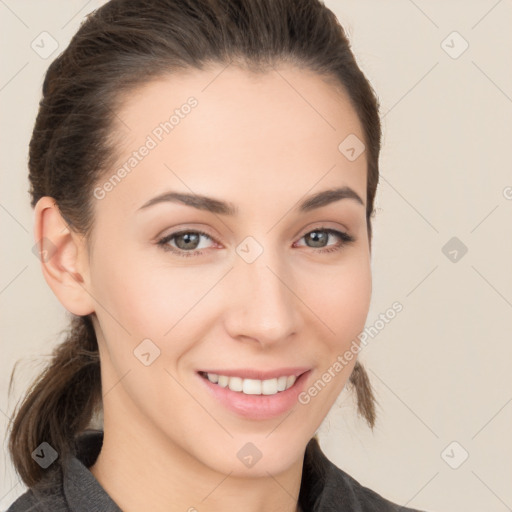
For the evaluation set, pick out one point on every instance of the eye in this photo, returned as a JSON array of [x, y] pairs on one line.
[[321, 235], [185, 240], [186, 243]]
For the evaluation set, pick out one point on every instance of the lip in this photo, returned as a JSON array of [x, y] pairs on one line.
[[257, 407], [251, 373]]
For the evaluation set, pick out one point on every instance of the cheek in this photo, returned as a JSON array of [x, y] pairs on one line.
[[121, 288], [354, 294], [138, 299], [343, 308], [343, 299]]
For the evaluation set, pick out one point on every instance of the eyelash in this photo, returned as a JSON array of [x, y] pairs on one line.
[[163, 242]]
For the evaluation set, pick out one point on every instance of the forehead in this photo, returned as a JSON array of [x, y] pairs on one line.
[[243, 98], [225, 129]]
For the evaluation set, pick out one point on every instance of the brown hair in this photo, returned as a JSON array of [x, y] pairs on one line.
[[121, 45]]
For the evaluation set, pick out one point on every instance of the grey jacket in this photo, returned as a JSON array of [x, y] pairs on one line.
[[70, 486]]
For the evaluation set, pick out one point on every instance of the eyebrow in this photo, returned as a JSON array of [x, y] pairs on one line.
[[226, 208]]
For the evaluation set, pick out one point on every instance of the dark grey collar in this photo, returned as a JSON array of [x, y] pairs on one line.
[[83, 492]]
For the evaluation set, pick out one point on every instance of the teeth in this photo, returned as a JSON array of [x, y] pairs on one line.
[[253, 386]]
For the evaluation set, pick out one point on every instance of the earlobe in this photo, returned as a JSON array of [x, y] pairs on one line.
[[63, 258]]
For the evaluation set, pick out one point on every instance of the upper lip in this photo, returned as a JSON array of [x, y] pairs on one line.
[[251, 373]]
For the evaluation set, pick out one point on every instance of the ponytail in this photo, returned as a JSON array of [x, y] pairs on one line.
[[364, 393], [60, 402]]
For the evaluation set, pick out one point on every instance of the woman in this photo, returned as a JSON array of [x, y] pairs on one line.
[[203, 174]]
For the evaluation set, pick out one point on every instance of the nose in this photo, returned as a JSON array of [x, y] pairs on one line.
[[263, 305]]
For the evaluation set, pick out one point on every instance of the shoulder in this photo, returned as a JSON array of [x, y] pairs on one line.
[[70, 486], [26, 501], [329, 488], [363, 498], [45, 496], [47, 500]]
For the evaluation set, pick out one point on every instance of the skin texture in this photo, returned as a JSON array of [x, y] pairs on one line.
[[263, 142]]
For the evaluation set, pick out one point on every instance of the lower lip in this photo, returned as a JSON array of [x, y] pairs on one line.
[[257, 407]]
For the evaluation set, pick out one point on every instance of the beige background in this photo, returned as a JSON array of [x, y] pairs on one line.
[[441, 368]]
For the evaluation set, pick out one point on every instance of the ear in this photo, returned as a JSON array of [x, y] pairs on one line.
[[64, 258]]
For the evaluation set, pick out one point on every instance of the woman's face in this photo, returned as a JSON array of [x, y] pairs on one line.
[[267, 287]]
